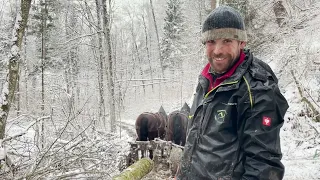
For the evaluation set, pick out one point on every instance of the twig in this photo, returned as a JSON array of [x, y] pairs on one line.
[[36, 164], [311, 97], [79, 37], [26, 130], [71, 174], [317, 131], [146, 84], [142, 79], [75, 144]]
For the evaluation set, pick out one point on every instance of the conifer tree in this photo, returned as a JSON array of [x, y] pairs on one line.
[[171, 45]]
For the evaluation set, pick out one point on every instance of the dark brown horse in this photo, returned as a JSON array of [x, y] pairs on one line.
[[177, 125], [150, 126]]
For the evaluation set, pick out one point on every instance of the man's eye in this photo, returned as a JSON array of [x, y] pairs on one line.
[[211, 41], [227, 40]]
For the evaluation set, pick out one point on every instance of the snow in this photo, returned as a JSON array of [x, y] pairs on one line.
[[3, 151], [5, 92], [300, 138], [300, 141], [300, 145]]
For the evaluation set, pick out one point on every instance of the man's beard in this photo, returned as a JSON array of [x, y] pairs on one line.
[[229, 58]]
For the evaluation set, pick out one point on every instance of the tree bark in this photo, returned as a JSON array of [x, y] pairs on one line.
[[26, 73], [158, 40], [44, 11], [159, 49], [137, 170], [18, 94], [109, 63], [147, 49], [137, 53], [102, 114], [8, 90], [13, 65]]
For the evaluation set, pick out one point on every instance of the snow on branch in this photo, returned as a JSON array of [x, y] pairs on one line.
[[77, 173], [142, 79], [26, 130], [79, 37]]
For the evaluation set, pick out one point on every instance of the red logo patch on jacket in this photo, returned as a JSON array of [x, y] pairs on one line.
[[266, 121]]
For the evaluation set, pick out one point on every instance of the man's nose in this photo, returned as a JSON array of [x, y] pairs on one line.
[[218, 48]]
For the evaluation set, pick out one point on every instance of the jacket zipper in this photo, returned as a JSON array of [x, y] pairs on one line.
[[199, 131], [201, 128]]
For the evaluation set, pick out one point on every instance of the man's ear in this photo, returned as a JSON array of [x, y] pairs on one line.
[[242, 44]]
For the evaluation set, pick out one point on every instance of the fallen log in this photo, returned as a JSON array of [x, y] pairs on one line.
[[136, 171]]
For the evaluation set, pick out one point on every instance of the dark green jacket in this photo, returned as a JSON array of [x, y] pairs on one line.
[[234, 129]]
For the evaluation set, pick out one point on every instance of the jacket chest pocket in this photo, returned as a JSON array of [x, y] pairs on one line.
[[218, 116]]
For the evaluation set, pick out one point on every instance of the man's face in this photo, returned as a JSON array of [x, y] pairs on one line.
[[222, 53]]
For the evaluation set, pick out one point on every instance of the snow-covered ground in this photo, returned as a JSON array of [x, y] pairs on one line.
[[300, 136], [300, 142]]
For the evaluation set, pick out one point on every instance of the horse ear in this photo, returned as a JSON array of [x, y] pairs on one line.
[[161, 110], [185, 107]]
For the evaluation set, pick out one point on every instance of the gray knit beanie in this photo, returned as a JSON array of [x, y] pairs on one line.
[[224, 22]]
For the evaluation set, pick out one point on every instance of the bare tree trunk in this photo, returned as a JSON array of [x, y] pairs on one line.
[[67, 66], [73, 57], [26, 73], [158, 40], [134, 76], [116, 60], [159, 49], [13, 64], [106, 30], [43, 58], [13, 70], [98, 57], [137, 54], [148, 52], [18, 93], [102, 113], [120, 88]]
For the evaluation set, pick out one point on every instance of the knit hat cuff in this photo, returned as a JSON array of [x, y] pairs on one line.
[[224, 33]]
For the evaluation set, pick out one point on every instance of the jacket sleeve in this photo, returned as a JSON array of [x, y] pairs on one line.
[[261, 140]]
